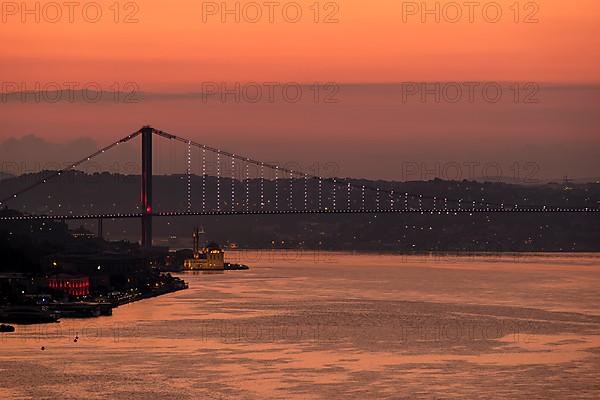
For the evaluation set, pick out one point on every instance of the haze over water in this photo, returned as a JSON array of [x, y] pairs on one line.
[[333, 325]]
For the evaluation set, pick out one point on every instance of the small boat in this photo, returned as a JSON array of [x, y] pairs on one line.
[[6, 328], [235, 267]]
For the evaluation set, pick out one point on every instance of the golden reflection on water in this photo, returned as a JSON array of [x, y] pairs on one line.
[[356, 326]]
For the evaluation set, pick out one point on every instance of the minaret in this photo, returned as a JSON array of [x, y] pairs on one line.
[[196, 237], [203, 233]]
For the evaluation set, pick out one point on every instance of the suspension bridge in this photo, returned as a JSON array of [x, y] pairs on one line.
[[253, 187]]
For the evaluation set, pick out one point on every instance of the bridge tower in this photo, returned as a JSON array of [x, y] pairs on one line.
[[147, 133]]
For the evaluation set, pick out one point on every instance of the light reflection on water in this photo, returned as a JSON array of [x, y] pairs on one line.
[[356, 326]]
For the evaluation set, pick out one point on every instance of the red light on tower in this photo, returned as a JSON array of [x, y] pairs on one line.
[[148, 209]]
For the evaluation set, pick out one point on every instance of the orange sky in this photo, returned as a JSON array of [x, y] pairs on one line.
[[170, 47]]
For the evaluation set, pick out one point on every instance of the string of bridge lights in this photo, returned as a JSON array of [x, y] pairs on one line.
[[320, 193], [247, 166], [203, 179], [218, 180], [291, 192], [334, 193], [335, 182], [232, 183], [276, 187], [189, 177], [71, 167], [262, 186], [349, 197], [305, 191], [308, 211], [293, 172]]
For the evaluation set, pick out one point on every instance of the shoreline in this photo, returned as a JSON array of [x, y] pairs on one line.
[[249, 255], [150, 295], [92, 308]]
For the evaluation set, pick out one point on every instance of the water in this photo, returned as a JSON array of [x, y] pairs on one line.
[[335, 325]]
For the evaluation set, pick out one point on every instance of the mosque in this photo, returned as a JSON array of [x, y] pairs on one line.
[[209, 258]]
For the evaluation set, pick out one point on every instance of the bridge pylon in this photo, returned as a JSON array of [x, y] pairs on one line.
[[146, 195]]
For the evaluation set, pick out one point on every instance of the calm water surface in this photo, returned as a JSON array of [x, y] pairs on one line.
[[333, 325]]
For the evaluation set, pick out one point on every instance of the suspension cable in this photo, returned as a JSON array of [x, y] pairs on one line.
[[72, 166], [341, 183]]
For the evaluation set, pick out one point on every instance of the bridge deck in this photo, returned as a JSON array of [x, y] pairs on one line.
[[297, 212]]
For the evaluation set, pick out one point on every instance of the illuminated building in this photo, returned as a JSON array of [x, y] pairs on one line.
[[73, 285], [209, 258], [105, 270]]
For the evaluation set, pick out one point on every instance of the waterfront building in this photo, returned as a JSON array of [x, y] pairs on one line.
[[105, 270], [73, 285], [209, 258]]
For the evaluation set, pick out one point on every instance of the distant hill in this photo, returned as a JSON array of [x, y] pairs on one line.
[[108, 193], [537, 181], [5, 175]]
